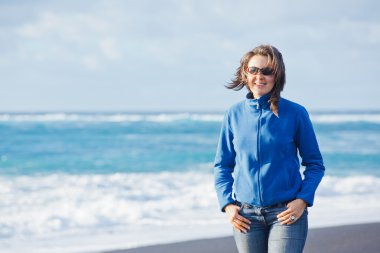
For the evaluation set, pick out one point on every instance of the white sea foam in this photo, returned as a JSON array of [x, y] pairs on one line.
[[170, 117], [117, 117], [127, 210], [345, 118]]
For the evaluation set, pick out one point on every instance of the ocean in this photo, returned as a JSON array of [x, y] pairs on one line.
[[87, 182]]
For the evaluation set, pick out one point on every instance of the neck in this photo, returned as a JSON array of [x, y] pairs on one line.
[[250, 95]]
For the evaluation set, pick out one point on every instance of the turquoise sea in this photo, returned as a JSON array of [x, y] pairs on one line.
[[78, 175], [83, 143]]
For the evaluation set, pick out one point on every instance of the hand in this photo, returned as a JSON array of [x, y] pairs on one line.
[[237, 221], [295, 208]]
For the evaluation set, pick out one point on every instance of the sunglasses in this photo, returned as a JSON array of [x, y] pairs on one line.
[[265, 71]]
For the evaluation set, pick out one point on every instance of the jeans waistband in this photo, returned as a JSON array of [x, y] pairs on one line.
[[246, 205]]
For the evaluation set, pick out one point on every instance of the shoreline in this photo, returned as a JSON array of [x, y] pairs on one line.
[[345, 238]]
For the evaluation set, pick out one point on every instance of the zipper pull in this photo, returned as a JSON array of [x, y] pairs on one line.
[[257, 106]]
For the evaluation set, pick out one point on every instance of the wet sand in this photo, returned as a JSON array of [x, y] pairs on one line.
[[348, 239]]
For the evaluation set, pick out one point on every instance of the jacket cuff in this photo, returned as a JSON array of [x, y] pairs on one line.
[[309, 201]]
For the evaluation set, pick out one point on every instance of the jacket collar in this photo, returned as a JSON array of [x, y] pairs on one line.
[[262, 102]]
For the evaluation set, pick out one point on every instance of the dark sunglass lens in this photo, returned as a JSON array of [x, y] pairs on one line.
[[267, 71]]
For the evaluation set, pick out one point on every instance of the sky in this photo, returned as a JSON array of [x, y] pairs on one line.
[[162, 55]]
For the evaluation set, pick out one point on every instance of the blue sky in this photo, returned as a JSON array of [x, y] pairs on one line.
[[178, 55]]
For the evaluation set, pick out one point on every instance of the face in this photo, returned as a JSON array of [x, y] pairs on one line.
[[258, 83]]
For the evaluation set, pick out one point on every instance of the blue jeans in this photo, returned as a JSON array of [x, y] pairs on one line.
[[267, 235]]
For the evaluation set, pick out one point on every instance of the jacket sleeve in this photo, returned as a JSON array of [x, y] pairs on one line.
[[224, 165], [307, 144]]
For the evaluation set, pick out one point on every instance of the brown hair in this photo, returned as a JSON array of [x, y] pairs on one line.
[[275, 61]]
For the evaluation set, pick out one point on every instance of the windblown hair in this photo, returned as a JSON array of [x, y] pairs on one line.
[[275, 62]]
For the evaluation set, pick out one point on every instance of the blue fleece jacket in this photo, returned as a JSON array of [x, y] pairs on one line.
[[256, 160]]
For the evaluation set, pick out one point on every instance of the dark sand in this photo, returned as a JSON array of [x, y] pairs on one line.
[[363, 238]]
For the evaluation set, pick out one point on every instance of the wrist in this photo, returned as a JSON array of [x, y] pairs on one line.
[[228, 207], [303, 202]]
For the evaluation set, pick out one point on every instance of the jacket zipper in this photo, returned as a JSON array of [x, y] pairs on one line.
[[258, 153]]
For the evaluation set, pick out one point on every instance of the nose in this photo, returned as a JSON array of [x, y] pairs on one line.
[[259, 75]]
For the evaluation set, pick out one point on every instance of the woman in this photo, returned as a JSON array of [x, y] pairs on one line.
[[257, 170]]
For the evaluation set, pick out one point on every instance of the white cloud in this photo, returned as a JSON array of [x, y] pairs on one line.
[[65, 39], [110, 48], [374, 34], [91, 62], [67, 26], [356, 31], [37, 29]]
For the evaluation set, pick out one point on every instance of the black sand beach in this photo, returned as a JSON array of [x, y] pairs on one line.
[[348, 239]]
